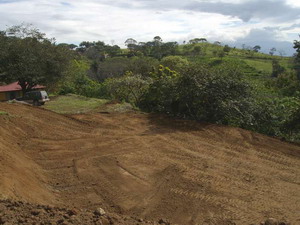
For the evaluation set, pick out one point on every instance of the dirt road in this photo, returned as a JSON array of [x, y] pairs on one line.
[[147, 166]]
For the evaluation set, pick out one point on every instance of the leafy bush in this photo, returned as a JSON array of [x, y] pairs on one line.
[[130, 88], [287, 84], [111, 67], [162, 94], [174, 62], [76, 81], [215, 95], [142, 65]]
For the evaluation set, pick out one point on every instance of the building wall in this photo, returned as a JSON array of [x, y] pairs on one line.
[[5, 96], [2, 96]]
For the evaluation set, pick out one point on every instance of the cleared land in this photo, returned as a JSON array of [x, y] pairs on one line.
[[147, 166]]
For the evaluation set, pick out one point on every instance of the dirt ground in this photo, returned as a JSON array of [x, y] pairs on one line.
[[147, 166]]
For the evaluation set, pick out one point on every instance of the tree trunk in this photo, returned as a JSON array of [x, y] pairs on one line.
[[23, 85]]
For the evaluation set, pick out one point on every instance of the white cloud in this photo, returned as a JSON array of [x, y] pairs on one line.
[[106, 20]]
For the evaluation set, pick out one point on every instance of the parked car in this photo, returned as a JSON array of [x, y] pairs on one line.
[[35, 97]]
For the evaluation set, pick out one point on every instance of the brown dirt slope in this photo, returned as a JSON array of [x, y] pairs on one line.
[[147, 166]]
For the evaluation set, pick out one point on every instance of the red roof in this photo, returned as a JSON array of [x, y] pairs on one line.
[[16, 87]]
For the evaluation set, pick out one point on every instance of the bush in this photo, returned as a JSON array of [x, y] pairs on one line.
[[176, 63], [142, 65], [76, 81], [214, 95], [111, 67], [287, 84], [130, 88], [162, 94]]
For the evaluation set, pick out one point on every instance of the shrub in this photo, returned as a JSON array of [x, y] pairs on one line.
[[215, 95], [142, 65], [176, 63], [76, 81], [162, 93], [130, 88]]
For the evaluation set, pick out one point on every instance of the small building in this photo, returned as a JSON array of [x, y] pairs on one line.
[[14, 90]]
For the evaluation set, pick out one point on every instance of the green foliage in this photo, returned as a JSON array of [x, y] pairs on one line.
[[256, 48], [130, 88], [98, 50], [76, 81], [142, 65], [276, 116], [226, 49], [176, 63], [297, 57], [162, 92], [30, 58], [2, 113], [291, 124], [155, 48], [111, 67], [287, 84], [277, 68], [216, 95]]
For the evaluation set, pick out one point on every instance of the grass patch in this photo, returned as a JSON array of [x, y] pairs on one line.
[[265, 66], [2, 113], [73, 104]]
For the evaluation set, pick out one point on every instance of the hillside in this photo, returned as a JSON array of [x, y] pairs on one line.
[[147, 166]]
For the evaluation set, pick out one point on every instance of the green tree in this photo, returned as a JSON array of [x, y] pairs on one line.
[[76, 80], [30, 58], [111, 67], [214, 95], [130, 87], [256, 48], [297, 57], [176, 63], [142, 65], [277, 68], [226, 49]]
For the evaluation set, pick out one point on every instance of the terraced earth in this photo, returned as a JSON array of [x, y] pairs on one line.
[[147, 166]]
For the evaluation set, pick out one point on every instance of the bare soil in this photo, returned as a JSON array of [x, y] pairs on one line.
[[146, 166]]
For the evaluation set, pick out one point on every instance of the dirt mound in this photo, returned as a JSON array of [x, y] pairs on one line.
[[147, 166]]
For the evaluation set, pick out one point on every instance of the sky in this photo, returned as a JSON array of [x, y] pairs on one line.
[[268, 23]]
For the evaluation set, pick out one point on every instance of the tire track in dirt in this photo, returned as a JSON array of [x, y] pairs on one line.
[[151, 166]]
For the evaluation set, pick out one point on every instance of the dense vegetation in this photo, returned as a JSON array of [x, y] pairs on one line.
[[197, 80]]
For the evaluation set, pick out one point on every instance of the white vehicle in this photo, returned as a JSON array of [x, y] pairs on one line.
[[35, 98]]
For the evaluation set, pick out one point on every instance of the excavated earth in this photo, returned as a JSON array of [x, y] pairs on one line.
[[141, 167]]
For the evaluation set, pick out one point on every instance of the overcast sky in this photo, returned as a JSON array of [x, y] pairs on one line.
[[268, 23]]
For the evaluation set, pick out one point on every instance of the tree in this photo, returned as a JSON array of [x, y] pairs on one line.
[[142, 65], [69, 46], [297, 57], [30, 58], [202, 40], [277, 68], [226, 49], [197, 50], [130, 41], [272, 51], [174, 62], [157, 39], [256, 48], [197, 40]]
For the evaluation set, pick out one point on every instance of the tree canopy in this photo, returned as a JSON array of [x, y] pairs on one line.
[[30, 58]]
